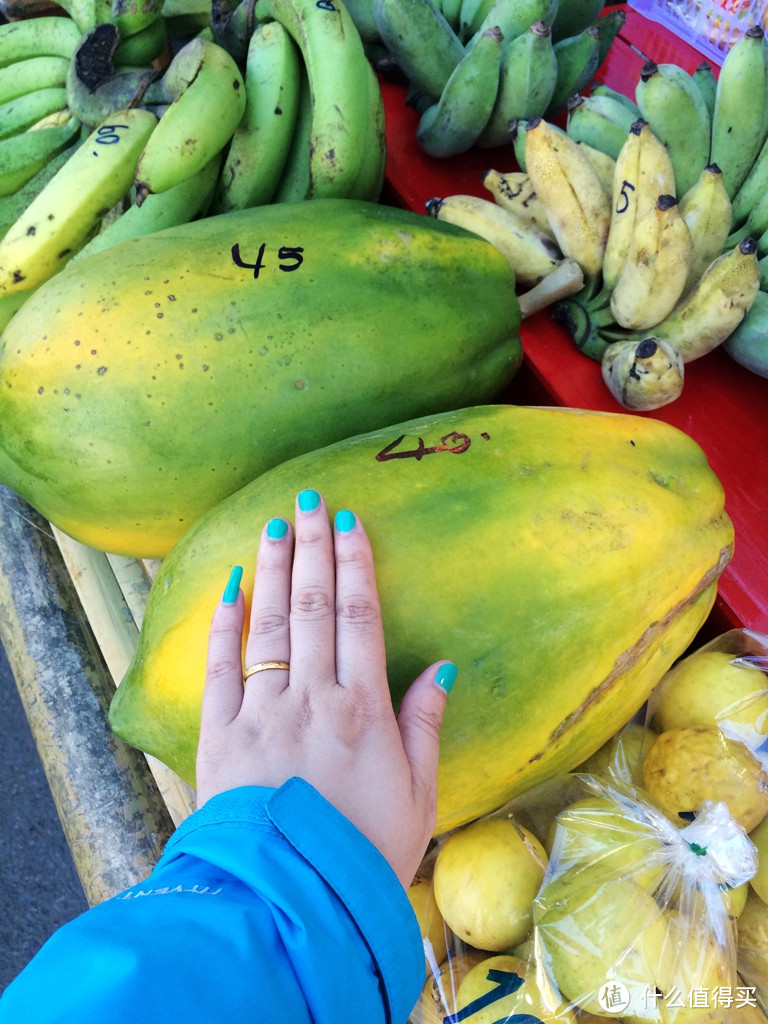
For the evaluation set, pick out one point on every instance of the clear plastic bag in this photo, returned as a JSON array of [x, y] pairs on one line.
[[711, 26], [635, 910]]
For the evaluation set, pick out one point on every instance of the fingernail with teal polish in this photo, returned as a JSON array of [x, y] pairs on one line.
[[308, 500], [232, 588], [344, 520], [277, 529], [446, 676]]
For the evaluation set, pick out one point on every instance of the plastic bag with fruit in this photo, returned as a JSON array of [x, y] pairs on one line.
[[615, 891]]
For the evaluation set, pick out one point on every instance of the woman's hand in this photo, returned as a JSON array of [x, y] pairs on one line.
[[328, 718]]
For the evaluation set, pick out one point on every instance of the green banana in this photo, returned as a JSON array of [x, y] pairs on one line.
[[748, 343], [294, 183], [94, 89], [70, 207], [656, 268], [47, 36], [610, 25], [181, 204], [577, 61], [18, 115], [260, 144], [599, 121], [337, 70], [370, 176], [644, 375], [517, 132], [12, 206], [513, 17], [531, 253], [361, 13], [25, 76], [713, 310], [706, 209], [233, 27], [421, 41], [573, 16], [603, 89], [527, 77], [704, 77], [451, 11], [142, 48], [208, 104], [582, 327], [670, 100], [756, 224], [738, 124], [132, 17], [454, 123], [87, 14], [22, 156], [752, 188]]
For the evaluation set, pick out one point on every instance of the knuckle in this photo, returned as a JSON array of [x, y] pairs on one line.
[[357, 611], [312, 602], [269, 623]]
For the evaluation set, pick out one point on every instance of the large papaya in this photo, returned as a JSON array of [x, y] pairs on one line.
[[144, 384], [564, 559]]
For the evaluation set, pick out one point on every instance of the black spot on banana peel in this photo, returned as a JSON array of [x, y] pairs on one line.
[[644, 375]]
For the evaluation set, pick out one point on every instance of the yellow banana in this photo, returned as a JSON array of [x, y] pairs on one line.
[[70, 207], [515, 193], [656, 267], [604, 165], [716, 306], [706, 209], [531, 255], [643, 172], [578, 209], [643, 375], [208, 101]]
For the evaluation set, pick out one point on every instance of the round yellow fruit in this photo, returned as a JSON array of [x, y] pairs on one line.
[[752, 930], [438, 997], [690, 764], [430, 920], [622, 756], [501, 986], [692, 961], [485, 879], [759, 881], [594, 830], [713, 688], [601, 938]]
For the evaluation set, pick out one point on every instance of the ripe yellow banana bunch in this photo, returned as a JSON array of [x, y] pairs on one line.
[[669, 288]]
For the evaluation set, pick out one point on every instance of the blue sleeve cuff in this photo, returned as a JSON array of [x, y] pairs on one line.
[[339, 853]]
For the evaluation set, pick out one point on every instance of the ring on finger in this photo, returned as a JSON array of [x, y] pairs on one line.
[[263, 666]]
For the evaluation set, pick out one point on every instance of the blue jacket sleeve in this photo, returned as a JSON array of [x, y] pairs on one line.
[[267, 905]]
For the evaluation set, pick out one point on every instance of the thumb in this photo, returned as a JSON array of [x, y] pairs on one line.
[[420, 719]]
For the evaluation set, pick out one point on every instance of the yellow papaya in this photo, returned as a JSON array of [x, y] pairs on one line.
[[562, 558], [142, 385]]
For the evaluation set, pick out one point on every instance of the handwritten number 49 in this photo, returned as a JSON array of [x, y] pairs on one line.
[[289, 256]]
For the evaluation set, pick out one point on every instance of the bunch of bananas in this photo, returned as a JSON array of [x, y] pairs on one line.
[[101, 139], [474, 66]]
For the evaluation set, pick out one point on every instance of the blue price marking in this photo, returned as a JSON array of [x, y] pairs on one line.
[[507, 982]]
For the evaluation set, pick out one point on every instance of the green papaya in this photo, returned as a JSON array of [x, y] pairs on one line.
[[141, 386], [563, 559]]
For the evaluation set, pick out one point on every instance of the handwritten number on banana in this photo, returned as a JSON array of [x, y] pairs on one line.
[[107, 135], [625, 185], [290, 256]]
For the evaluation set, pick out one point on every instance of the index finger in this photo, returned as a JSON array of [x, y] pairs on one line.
[[360, 650]]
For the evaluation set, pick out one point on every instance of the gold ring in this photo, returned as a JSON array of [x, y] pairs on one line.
[[262, 666]]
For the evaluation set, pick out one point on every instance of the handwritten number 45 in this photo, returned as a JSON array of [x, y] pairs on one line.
[[290, 257]]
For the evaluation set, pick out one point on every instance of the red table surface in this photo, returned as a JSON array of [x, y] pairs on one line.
[[723, 407]]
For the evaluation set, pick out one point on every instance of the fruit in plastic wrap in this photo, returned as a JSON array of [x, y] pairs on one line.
[[752, 949], [438, 997], [712, 687], [431, 923], [623, 755], [596, 935], [759, 880], [594, 830], [486, 876], [689, 963], [689, 765], [506, 985]]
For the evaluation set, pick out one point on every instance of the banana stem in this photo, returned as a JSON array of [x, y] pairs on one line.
[[566, 279]]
